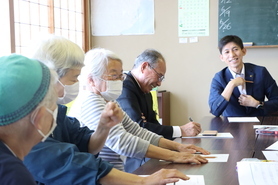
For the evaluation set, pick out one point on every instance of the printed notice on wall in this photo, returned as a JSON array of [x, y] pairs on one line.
[[122, 17], [193, 18]]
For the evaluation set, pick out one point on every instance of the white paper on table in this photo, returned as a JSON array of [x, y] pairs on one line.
[[218, 136], [257, 173], [219, 157], [194, 180], [243, 119], [274, 146], [271, 155], [263, 126]]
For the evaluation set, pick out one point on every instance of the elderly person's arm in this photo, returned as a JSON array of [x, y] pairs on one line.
[[69, 165], [84, 168], [161, 177], [172, 145], [110, 116]]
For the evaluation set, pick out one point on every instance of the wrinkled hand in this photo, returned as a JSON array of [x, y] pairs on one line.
[[190, 129], [247, 101], [111, 115], [184, 157], [192, 149], [164, 176]]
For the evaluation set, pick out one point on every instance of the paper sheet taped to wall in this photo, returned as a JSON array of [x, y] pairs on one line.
[[122, 17]]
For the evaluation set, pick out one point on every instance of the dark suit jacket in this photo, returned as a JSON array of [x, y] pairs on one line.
[[139, 107], [264, 86]]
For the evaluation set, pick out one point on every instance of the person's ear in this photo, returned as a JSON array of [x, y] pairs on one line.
[[221, 57], [90, 81], [144, 65], [59, 89], [244, 51], [40, 118]]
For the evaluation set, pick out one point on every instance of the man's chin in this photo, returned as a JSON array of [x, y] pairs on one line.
[[148, 90]]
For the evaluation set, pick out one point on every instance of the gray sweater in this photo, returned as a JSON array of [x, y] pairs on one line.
[[126, 138]]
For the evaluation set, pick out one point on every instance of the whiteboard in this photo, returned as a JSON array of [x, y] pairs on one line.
[[122, 17]]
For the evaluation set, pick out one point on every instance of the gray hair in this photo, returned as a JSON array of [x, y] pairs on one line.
[[149, 55], [59, 53], [96, 62]]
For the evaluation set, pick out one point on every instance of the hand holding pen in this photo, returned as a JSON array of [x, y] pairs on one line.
[[190, 129]]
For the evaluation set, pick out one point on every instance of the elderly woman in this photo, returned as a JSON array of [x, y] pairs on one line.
[[26, 118], [66, 157], [104, 74], [67, 59]]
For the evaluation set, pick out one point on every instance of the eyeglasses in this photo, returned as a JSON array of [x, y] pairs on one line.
[[160, 76], [117, 77]]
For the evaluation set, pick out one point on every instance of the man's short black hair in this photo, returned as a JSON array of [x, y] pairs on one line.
[[227, 39]]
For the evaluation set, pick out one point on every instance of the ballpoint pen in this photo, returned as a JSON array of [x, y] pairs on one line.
[[211, 157], [249, 81]]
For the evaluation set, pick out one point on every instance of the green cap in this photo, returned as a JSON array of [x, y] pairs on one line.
[[24, 83]]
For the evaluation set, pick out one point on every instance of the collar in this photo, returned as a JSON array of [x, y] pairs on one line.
[[241, 73], [135, 80]]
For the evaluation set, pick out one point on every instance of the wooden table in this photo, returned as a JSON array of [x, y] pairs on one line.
[[264, 141], [245, 144]]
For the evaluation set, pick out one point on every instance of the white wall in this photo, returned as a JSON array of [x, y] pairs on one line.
[[190, 67], [5, 44]]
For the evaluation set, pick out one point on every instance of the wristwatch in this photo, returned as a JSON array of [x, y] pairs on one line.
[[261, 105]]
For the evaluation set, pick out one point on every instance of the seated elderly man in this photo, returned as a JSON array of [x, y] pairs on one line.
[[28, 113], [147, 73]]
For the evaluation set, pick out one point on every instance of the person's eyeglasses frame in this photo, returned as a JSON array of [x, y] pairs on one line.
[[160, 76], [117, 77]]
